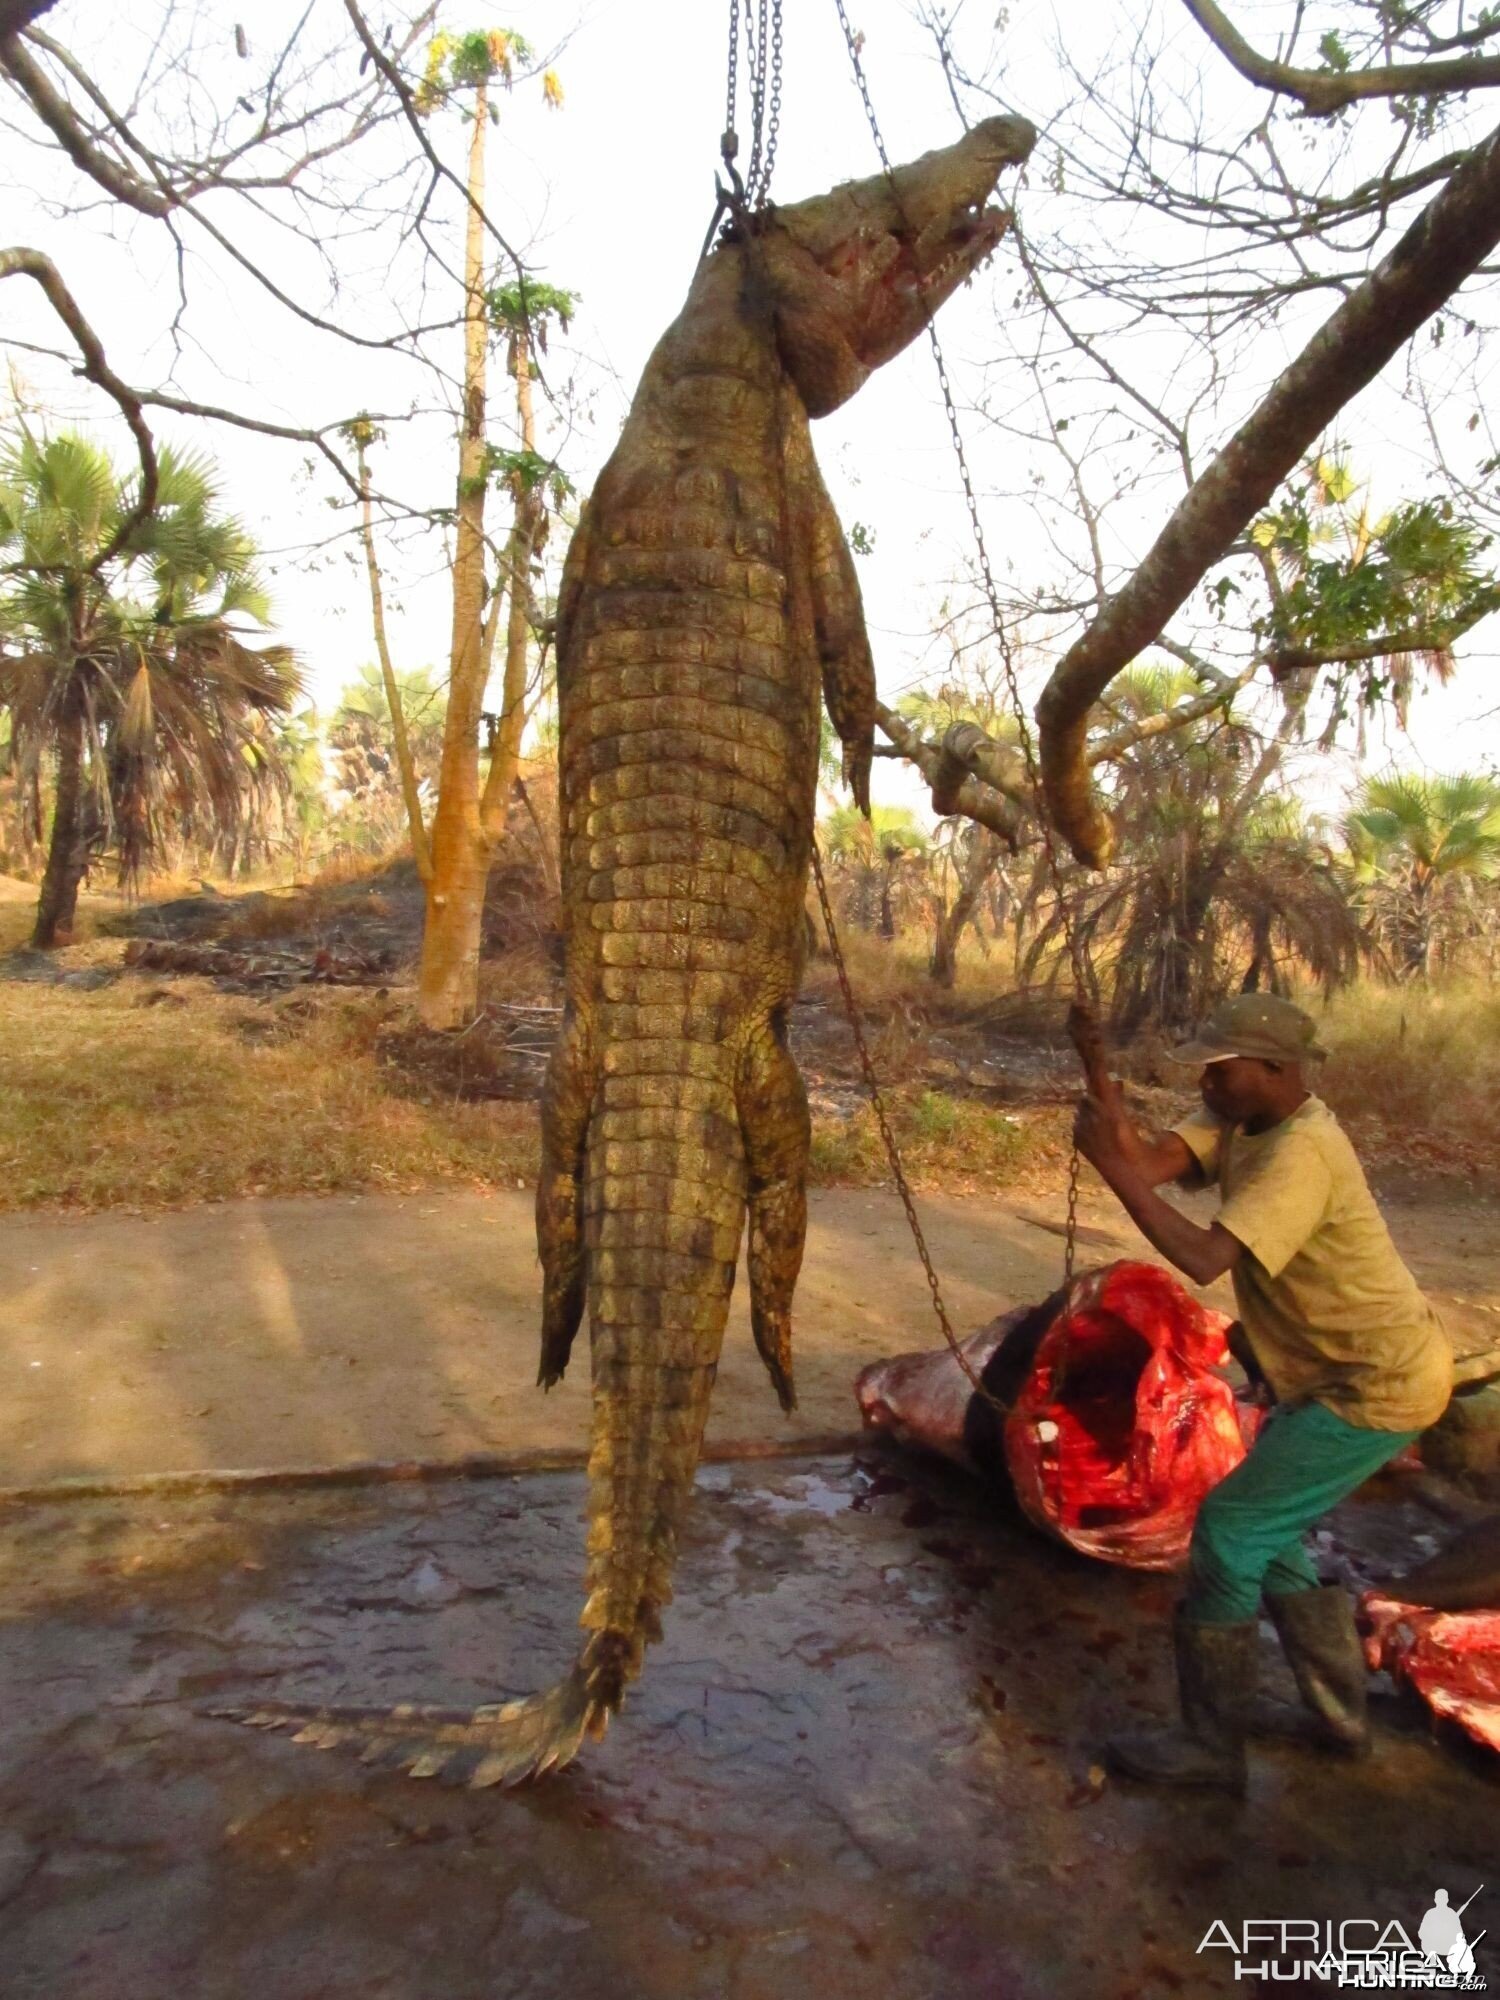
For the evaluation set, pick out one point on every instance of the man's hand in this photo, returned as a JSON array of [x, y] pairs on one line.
[[1107, 1139], [1104, 1135]]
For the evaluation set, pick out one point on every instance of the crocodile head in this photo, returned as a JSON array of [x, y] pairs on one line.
[[855, 274]]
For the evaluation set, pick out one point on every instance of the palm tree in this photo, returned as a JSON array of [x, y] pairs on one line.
[[869, 852], [127, 667], [1416, 840], [281, 804], [1218, 883], [365, 760]]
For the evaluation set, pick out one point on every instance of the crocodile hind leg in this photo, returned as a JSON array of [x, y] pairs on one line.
[[774, 1120], [566, 1104]]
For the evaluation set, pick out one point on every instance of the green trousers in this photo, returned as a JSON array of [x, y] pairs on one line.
[[1247, 1539]]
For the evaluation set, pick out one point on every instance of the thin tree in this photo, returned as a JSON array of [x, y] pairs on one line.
[[454, 852]]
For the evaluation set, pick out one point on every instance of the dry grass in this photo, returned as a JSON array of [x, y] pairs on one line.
[[340, 871], [145, 1096], [949, 1143], [162, 1094], [890, 975], [148, 1094], [1415, 1071], [17, 920]]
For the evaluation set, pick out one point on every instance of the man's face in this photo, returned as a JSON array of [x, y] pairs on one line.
[[1237, 1087]]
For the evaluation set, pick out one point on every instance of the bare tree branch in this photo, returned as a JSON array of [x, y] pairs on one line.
[[21, 262], [1444, 245], [57, 115], [1325, 91], [1125, 739], [974, 800]]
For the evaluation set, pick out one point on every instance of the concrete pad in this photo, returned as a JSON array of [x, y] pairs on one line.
[[328, 1329], [862, 1763]]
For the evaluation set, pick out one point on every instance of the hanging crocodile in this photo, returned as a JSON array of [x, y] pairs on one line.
[[707, 591]]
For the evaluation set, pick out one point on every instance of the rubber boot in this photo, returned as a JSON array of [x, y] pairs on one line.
[[1216, 1669], [1321, 1643]]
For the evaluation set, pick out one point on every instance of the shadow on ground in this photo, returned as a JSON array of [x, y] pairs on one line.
[[860, 1763]]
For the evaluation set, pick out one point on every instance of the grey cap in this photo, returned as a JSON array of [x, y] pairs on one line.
[[1257, 1025]]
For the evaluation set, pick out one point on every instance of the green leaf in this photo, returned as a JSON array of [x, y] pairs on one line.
[[1333, 52]]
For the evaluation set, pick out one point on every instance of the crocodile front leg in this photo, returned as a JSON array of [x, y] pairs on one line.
[[838, 616]]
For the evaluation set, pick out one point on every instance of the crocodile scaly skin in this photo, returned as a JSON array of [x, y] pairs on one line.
[[708, 607]]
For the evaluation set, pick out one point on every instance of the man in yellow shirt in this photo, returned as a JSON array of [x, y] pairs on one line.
[[1332, 1322]]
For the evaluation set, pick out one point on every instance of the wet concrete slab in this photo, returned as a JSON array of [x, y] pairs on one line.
[[862, 1763]]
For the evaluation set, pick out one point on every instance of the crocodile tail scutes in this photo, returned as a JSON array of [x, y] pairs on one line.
[[500, 1745]]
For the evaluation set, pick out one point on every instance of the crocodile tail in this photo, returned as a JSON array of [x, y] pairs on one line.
[[499, 1745], [664, 1204], [662, 1242]]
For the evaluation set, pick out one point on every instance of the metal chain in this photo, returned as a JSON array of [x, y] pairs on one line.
[[763, 54], [731, 139], [756, 38], [892, 1151], [1007, 658], [773, 125]]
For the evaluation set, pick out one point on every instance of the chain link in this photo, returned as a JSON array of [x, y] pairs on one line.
[[763, 57], [773, 126], [732, 82], [755, 47], [1007, 657], [892, 1151]]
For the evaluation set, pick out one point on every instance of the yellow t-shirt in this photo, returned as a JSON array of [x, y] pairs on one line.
[[1331, 1313]]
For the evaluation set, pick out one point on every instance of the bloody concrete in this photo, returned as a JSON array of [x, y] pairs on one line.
[[862, 1762]]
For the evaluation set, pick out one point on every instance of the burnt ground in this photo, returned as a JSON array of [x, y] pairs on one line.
[[862, 1763], [1003, 1053]]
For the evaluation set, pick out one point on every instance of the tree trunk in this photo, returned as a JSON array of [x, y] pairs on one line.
[[1419, 949], [448, 981], [400, 737], [984, 857], [1442, 245], [57, 905], [526, 532], [1261, 968]]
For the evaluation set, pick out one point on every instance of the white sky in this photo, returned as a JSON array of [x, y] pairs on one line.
[[610, 198]]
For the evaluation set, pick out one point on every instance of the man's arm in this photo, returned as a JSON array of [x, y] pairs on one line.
[[1165, 1156], [1133, 1168], [1160, 1157]]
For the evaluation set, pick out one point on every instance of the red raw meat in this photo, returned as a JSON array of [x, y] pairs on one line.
[[1451, 1658], [1121, 1427], [1113, 1451]]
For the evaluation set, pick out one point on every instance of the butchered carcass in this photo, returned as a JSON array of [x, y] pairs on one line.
[[1117, 1423], [1438, 1630]]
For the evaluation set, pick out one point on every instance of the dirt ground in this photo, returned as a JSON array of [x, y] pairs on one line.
[[862, 1763], [280, 1333]]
